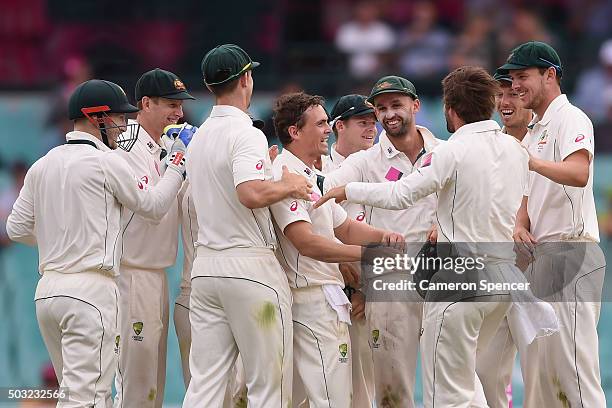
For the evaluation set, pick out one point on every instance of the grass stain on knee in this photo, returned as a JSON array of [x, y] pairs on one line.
[[266, 315], [152, 394], [390, 399], [240, 400], [561, 396]]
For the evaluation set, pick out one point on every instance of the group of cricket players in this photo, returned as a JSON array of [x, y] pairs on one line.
[[273, 310]]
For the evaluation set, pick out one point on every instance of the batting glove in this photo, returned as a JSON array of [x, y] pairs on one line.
[[176, 158], [183, 132]]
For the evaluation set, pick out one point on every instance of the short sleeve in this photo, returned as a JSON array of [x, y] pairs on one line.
[[288, 211], [339, 215], [575, 133], [250, 157]]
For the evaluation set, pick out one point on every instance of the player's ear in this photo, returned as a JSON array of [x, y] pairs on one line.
[[244, 80], [293, 132], [416, 106]]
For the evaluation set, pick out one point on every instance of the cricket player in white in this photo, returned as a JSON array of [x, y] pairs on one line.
[[240, 298], [236, 390], [149, 248], [70, 208], [354, 123], [482, 209], [394, 325], [307, 238], [494, 364], [563, 369]]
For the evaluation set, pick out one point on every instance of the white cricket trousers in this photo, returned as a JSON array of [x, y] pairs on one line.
[[236, 389], [362, 363], [183, 330], [240, 302], [78, 316], [141, 376], [453, 332], [563, 369], [321, 350], [494, 366]]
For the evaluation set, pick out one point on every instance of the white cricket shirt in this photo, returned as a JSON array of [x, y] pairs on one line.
[[559, 212], [146, 244], [480, 176], [333, 162], [228, 150], [383, 163], [301, 270], [70, 206]]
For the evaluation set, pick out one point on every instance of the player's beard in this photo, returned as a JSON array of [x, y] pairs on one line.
[[402, 131]]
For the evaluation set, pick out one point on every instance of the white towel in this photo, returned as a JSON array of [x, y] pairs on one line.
[[338, 301]]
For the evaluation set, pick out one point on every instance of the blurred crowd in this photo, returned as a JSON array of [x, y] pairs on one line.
[[329, 47]]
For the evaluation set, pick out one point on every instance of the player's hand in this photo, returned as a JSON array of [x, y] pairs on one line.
[[358, 305], [393, 240], [350, 274], [525, 242], [183, 132], [337, 193], [432, 234], [299, 186], [273, 152], [176, 158]]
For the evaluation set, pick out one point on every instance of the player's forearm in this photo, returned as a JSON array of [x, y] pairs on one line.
[[264, 193], [522, 216], [568, 173], [360, 233], [326, 250]]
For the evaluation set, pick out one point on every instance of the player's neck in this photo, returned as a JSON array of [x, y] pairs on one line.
[[540, 110], [234, 99], [89, 129], [305, 156], [518, 132], [410, 144], [153, 131]]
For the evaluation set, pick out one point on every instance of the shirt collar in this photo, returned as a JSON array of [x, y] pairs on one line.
[[429, 142], [146, 139], [297, 164], [336, 157], [476, 127], [78, 135], [556, 104], [232, 111], [386, 145]]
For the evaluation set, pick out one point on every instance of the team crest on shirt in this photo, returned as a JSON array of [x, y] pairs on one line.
[[259, 165], [137, 326], [361, 216], [117, 339], [343, 348], [542, 140], [375, 337], [293, 206]]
